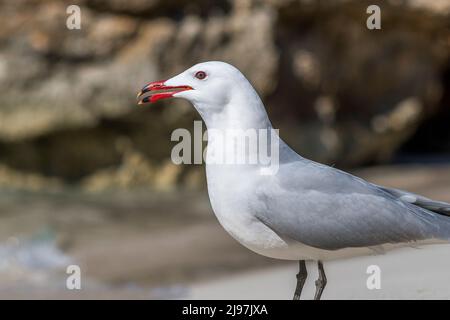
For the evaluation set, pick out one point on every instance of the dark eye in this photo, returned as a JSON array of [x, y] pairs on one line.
[[200, 75]]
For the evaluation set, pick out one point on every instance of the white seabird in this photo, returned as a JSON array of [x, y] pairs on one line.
[[305, 210]]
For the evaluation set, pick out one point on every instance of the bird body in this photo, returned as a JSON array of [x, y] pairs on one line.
[[301, 213], [304, 210]]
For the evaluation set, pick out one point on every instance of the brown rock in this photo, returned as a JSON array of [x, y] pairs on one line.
[[339, 92]]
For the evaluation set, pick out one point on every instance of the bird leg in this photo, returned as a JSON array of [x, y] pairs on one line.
[[301, 278], [321, 282]]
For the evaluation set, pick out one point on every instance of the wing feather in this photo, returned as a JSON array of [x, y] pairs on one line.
[[329, 209], [418, 200]]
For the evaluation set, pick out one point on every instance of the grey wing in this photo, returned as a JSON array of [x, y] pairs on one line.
[[330, 209], [418, 200]]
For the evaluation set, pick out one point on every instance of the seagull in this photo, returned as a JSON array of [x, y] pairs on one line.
[[304, 210]]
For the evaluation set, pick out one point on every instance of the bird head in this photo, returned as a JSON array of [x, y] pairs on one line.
[[209, 83], [214, 88]]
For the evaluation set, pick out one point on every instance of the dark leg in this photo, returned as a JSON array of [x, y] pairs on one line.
[[321, 282], [301, 278]]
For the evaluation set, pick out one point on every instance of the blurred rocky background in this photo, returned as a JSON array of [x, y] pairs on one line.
[[340, 93], [86, 175]]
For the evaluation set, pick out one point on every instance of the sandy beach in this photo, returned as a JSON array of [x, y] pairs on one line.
[[405, 274], [145, 245]]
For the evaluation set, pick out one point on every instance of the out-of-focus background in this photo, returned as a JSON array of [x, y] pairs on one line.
[[86, 176]]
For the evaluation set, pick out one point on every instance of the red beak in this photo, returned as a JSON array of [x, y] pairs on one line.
[[159, 91]]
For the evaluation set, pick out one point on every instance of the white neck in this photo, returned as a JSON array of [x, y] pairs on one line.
[[244, 117], [244, 110]]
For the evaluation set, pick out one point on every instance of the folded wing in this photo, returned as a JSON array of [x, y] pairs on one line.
[[418, 200], [329, 209]]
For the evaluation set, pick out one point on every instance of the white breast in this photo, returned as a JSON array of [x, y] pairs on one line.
[[231, 196]]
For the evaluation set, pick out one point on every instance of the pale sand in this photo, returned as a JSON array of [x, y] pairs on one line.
[[142, 245], [405, 274]]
